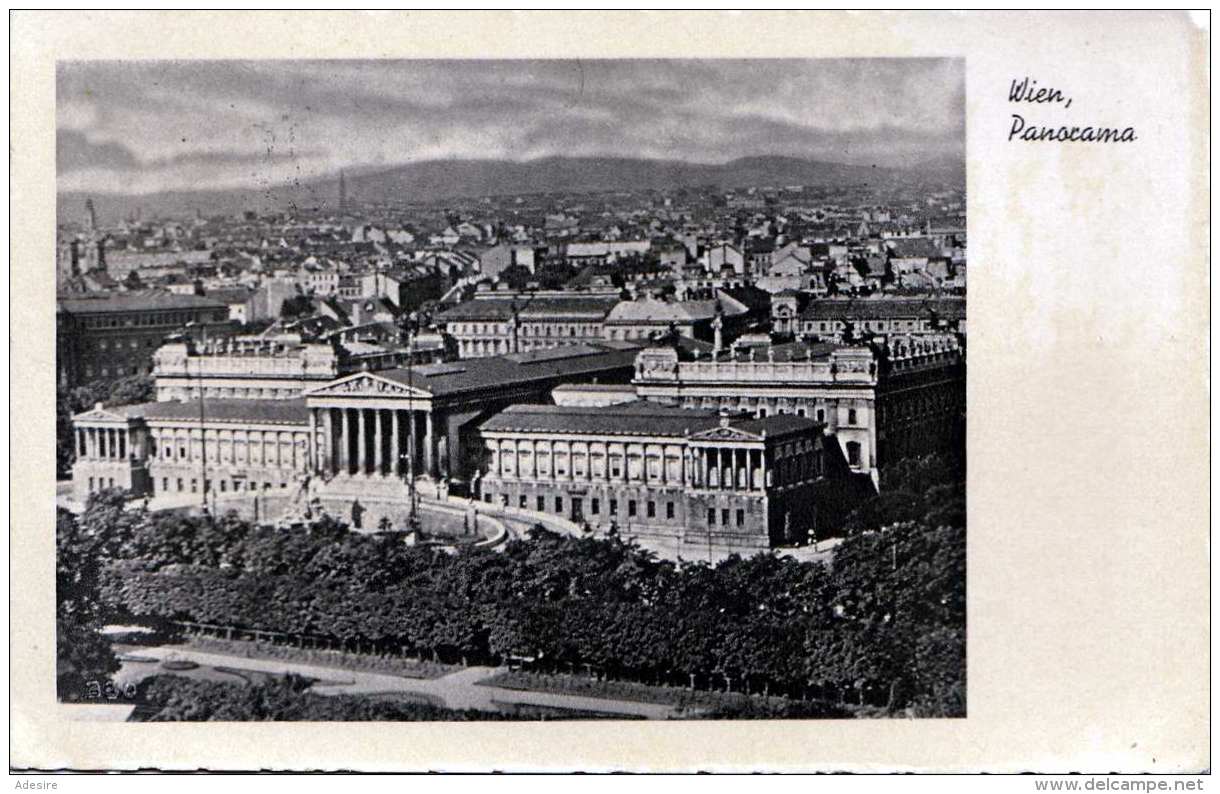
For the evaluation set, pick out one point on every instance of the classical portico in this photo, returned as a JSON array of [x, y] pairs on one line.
[[368, 426], [111, 446]]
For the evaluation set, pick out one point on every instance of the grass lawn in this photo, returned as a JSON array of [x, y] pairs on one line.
[[368, 663], [693, 702]]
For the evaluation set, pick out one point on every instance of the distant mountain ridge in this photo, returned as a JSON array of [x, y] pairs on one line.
[[436, 180]]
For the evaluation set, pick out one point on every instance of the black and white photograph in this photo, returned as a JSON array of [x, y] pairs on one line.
[[432, 390], [539, 393]]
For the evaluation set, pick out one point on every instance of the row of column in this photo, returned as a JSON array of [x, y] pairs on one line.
[[275, 448], [730, 468], [374, 441], [102, 443], [503, 451]]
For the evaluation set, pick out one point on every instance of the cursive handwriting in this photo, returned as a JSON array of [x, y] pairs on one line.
[[1027, 91]]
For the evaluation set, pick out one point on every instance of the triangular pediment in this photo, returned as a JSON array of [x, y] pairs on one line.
[[367, 384], [99, 415], [725, 434]]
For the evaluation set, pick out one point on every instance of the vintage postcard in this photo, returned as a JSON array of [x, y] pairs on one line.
[[605, 389]]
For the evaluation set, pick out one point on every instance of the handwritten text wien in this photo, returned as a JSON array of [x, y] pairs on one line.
[[1028, 91]]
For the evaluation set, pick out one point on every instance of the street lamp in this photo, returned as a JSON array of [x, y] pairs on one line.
[[203, 434], [412, 328]]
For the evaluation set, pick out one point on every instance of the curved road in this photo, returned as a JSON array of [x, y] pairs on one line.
[[460, 690]]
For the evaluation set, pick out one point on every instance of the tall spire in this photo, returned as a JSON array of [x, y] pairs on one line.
[[342, 191], [91, 214]]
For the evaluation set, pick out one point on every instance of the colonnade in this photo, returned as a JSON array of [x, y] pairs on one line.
[[282, 449], [102, 443], [730, 468], [588, 461], [374, 441]]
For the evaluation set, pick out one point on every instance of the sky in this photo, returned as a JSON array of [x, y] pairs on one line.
[[143, 127]]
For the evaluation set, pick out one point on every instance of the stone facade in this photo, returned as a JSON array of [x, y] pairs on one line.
[[907, 397], [694, 477]]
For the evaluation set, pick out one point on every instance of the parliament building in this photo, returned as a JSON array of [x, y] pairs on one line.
[[732, 450]]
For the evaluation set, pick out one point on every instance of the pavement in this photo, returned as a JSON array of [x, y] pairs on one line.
[[459, 690]]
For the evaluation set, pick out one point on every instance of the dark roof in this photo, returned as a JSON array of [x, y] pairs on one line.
[[526, 306], [230, 294], [102, 279], [136, 302], [639, 418], [564, 362], [915, 247], [280, 412], [776, 425], [884, 308]]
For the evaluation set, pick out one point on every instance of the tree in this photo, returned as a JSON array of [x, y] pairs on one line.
[[83, 656], [131, 390], [881, 629]]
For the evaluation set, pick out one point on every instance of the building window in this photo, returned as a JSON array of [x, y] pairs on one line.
[[594, 506], [179, 485], [711, 516], [851, 416], [821, 415], [652, 510], [853, 453], [164, 484], [669, 510], [724, 516], [613, 507], [558, 504], [224, 486], [540, 503], [741, 518], [522, 502], [487, 497], [194, 485], [631, 508], [90, 485]]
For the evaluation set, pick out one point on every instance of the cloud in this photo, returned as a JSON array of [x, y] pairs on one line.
[[183, 124], [74, 151]]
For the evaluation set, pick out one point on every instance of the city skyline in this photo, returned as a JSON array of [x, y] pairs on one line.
[[174, 125]]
